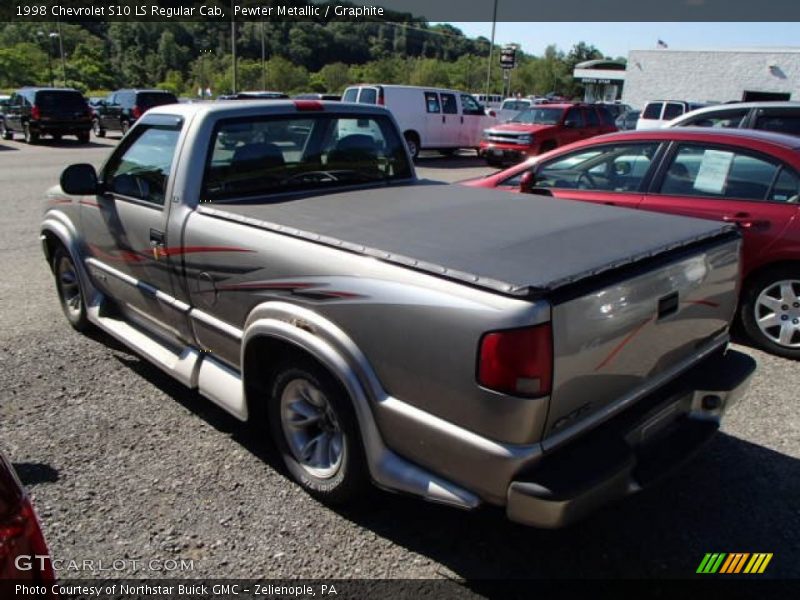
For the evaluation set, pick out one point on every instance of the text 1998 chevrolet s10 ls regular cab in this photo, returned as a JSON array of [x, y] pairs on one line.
[[452, 343]]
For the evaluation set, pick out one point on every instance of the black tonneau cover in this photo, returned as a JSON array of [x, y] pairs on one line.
[[510, 243]]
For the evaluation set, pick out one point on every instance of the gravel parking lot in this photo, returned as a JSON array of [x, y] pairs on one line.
[[124, 464]]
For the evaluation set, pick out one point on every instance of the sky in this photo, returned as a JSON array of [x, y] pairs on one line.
[[616, 39]]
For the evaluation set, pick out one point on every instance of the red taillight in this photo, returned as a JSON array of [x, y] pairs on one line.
[[381, 99], [308, 105], [36, 114], [136, 112], [517, 361], [23, 551]]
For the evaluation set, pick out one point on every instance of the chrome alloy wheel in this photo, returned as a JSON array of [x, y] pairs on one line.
[[777, 311], [69, 287], [311, 429]]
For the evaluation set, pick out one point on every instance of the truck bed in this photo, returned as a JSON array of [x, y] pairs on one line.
[[517, 245]]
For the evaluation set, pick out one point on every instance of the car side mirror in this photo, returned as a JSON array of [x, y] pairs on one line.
[[79, 180], [492, 113], [526, 182]]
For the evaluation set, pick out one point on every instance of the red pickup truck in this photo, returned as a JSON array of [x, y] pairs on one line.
[[542, 128]]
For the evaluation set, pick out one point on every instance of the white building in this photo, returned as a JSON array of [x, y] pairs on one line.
[[712, 75]]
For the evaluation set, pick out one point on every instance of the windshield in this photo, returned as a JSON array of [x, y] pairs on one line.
[[539, 116], [515, 105], [261, 156]]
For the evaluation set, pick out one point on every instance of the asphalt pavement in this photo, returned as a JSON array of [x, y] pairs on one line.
[[126, 465]]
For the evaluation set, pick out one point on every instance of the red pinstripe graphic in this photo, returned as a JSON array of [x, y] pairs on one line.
[[309, 290], [60, 201], [132, 256], [88, 203], [618, 348]]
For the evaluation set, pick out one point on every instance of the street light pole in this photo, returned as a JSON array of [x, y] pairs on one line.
[[49, 48], [61, 50], [491, 52], [263, 59], [233, 46]]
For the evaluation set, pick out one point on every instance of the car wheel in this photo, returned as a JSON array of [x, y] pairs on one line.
[[98, 131], [70, 292], [29, 136], [125, 125], [770, 311], [7, 133], [315, 429], [413, 144], [83, 137]]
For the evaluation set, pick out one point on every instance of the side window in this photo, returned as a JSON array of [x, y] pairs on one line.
[[591, 117], [652, 110], [350, 95], [786, 188], [575, 115], [725, 119], [449, 106], [142, 170], [696, 170], [672, 110], [368, 96], [613, 168], [470, 106], [432, 102], [781, 122]]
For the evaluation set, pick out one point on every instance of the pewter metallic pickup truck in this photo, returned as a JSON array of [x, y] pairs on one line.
[[462, 345]]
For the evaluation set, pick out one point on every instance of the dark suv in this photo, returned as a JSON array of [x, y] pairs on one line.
[[121, 109], [56, 112]]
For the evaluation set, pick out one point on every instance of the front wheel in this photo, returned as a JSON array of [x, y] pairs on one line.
[[31, 137], [315, 429], [70, 292], [412, 141], [770, 311], [97, 129]]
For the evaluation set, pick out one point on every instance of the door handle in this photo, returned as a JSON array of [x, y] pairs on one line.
[[745, 221]]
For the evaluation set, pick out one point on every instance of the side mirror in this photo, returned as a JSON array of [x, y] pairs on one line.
[[79, 180], [492, 113], [526, 182]]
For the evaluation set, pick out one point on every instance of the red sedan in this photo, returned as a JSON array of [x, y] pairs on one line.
[[750, 178]]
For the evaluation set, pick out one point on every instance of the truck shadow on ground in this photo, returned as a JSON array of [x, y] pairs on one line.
[[733, 496]]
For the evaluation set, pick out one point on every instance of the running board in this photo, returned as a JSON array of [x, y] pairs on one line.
[[193, 368]]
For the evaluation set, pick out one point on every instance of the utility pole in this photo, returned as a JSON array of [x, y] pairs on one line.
[[263, 59], [491, 52], [49, 44], [61, 50], [233, 46]]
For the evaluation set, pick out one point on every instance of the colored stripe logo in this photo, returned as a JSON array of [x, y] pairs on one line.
[[735, 562]]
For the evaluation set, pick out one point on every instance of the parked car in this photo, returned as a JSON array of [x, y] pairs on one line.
[[511, 107], [4, 98], [24, 556], [452, 343], [122, 108], [331, 97], [430, 118], [627, 120], [616, 109], [751, 178], [56, 112], [783, 117], [659, 112], [542, 128]]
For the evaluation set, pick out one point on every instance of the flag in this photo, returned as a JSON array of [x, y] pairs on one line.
[[662, 44]]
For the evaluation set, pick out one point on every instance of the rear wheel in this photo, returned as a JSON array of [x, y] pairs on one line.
[[412, 141], [125, 125], [770, 311], [315, 429], [70, 292], [31, 137], [7, 133]]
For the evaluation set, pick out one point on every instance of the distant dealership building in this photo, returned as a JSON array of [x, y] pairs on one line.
[[712, 75], [601, 79]]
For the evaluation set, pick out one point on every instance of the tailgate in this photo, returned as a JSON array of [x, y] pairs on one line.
[[617, 340]]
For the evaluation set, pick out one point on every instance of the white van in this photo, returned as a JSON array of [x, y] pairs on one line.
[[660, 112], [490, 101], [430, 118]]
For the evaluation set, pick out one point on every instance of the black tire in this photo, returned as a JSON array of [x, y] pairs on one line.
[[83, 137], [71, 294], [412, 141], [7, 133], [124, 126], [347, 481], [787, 311], [31, 137], [98, 131]]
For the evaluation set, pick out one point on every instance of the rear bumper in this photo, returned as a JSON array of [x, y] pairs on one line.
[[628, 453], [62, 127]]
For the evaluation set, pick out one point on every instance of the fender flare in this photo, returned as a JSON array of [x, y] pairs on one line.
[[57, 225]]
